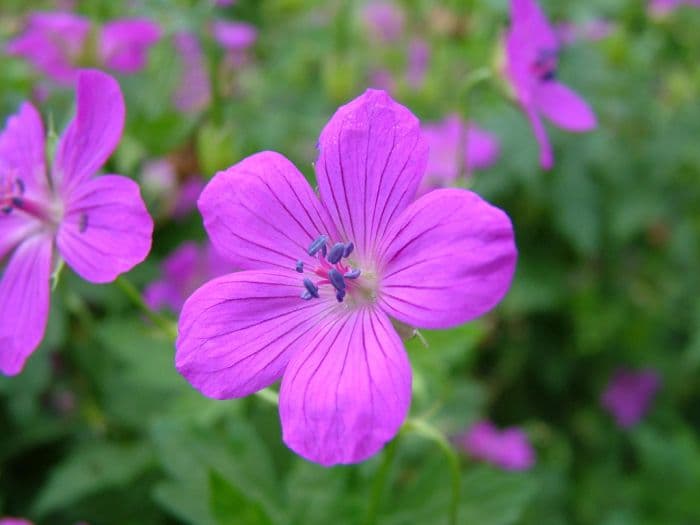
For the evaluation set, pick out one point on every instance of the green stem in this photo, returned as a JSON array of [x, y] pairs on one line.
[[477, 77], [162, 322], [269, 396], [379, 483], [428, 431]]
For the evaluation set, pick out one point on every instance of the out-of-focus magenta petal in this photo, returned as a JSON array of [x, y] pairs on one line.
[[384, 20], [483, 149], [187, 196], [372, 159], [546, 153], [234, 36], [106, 229], [446, 141], [564, 107], [348, 390], [24, 302], [13, 228], [418, 61], [261, 213], [93, 134], [449, 258], [23, 152], [509, 449], [124, 44], [629, 395], [194, 89], [237, 333], [14, 521], [52, 42]]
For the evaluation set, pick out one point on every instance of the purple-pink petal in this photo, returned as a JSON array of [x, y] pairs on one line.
[[124, 44], [546, 152], [24, 302], [449, 258], [237, 333], [52, 42], [347, 391], [372, 159], [261, 213], [106, 229], [23, 152], [384, 20], [629, 395], [508, 449], [564, 107], [194, 89], [483, 149], [234, 36], [93, 134]]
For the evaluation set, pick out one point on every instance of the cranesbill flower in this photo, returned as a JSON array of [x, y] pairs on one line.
[[98, 225], [508, 449], [531, 67], [183, 271], [236, 38], [456, 147], [629, 394], [193, 93], [665, 7], [59, 43], [328, 280], [384, 20]]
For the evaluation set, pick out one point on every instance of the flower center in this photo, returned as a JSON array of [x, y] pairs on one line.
[[332, 269], [545, 65], [13, 197]]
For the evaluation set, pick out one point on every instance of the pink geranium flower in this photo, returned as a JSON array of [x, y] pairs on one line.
[[99, 226], [456, 147], [236, 38], [629, 394], [664, 7], [193, 93], [183, 271], [384, 20], [531, 68], [328, 278], [14, 521], [508, 449], [59, 43]]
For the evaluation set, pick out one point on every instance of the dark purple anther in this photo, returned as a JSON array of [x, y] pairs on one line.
[[83, 224], [352, 274], [336, 279], [318, 245], [336, 253], [340, 295], [311, 288], [6, 210], [349, 247], [17, 202], [300, 266], [20, 186]]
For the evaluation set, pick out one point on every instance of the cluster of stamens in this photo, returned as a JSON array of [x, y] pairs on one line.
[[331, 268], [545, 65], [11, 192]]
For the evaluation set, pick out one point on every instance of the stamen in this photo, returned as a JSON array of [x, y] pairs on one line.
[[349, 247], [299, 266], [20, 185], [352, 274], [318, 245], [336, 253], [336, 279], [340, 295], [306, 295], [311, 288]]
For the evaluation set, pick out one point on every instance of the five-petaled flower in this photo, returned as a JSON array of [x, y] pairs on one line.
[[99, 226], [532, 50], [508, 449], [629, 395], [328, 280], [59, 43]]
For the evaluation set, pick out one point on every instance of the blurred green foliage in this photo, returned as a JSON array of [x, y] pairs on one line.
[[101, 428]]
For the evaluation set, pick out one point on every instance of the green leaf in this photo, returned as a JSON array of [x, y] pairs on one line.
[[230, 507], [89, 470]]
